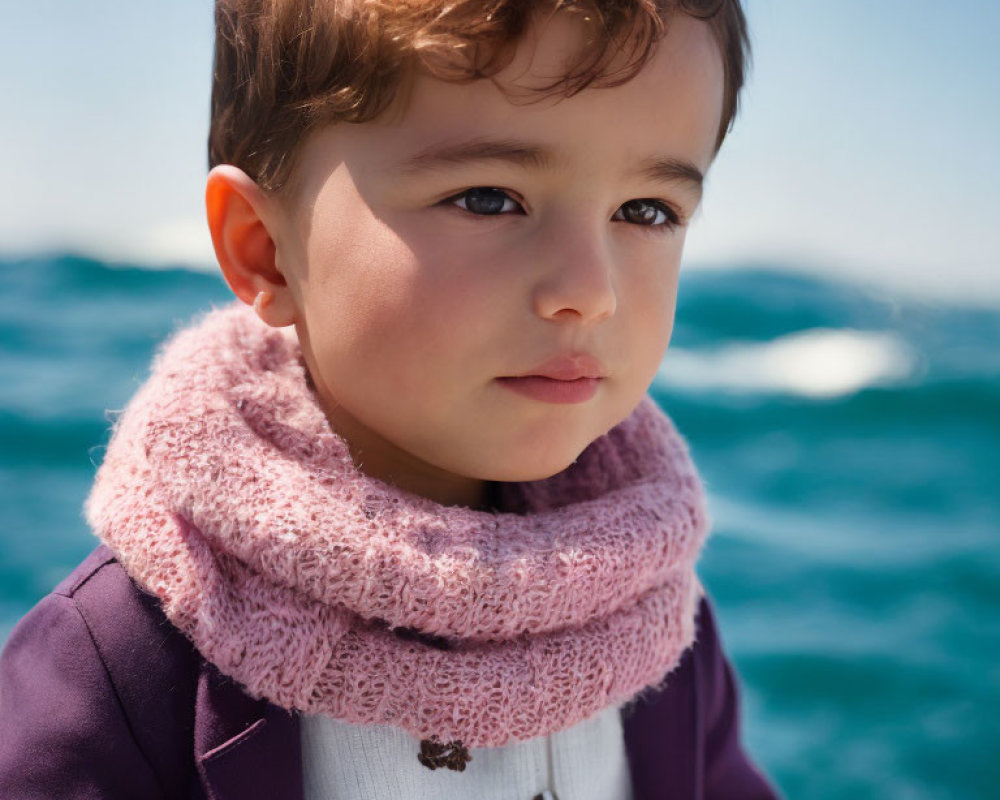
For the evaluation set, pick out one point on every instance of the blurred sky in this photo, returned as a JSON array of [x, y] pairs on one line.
[[868, 144]]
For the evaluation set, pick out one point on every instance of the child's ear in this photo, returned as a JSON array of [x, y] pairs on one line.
[[240, 220]]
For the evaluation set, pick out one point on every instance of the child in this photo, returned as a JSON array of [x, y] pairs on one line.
[[402, 523]]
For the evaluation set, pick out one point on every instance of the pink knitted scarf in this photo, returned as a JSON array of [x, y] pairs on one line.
[[225, 493]]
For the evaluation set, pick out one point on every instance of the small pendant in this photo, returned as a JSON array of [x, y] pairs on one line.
[[546, 795], [453, 755]]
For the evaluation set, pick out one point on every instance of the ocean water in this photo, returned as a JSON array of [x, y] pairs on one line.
[[850, 444]]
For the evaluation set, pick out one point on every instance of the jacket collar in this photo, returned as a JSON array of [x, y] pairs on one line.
[[244, 748]]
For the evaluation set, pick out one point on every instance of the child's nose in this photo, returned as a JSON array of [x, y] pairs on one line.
[[575, 277]]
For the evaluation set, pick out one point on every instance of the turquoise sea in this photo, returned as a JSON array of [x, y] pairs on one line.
[[850, 443]]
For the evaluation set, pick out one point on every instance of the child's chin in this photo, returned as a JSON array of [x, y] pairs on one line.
[[537, 468]]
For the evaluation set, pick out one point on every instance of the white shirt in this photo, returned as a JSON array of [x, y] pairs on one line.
[[343, 761]]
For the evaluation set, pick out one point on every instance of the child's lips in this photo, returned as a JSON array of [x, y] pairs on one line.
[[566, 378], [551, 390]]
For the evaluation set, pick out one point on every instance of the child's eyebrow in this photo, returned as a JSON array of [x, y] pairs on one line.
[[665, 169], [449, 154]]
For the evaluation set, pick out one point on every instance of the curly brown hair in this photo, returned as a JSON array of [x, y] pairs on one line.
[[285, 67]]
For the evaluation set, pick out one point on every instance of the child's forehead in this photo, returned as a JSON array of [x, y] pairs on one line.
[[675, 99]]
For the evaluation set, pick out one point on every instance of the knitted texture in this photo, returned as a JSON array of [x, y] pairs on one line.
[[225, 493]]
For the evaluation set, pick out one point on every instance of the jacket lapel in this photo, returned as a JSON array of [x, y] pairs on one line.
[[245, 749], [661, 731]]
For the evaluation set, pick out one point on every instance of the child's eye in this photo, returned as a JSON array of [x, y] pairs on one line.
[[485, 201], [648, 213]]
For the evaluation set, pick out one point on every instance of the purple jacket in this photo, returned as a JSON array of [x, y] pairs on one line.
[[101, 697]]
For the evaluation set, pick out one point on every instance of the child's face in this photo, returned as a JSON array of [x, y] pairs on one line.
[[416, 304]]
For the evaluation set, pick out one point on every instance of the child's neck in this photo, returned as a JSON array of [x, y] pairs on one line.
[[381, 460], [468, 492]]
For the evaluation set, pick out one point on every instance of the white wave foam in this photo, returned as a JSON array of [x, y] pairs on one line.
[[814, 363], [182, 242]]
